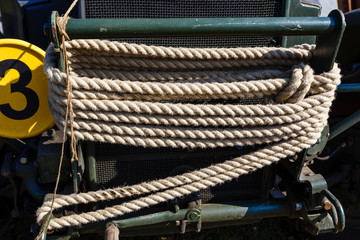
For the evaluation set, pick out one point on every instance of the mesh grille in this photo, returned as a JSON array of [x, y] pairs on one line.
[[181, 8], [123, 165], [119, 165], [190, 9]]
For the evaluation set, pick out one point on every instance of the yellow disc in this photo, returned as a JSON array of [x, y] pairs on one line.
[[24, 109]]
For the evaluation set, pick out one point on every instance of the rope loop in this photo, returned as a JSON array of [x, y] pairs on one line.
[[299, 85], [154, 96]]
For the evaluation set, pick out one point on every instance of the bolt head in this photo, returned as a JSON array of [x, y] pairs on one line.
[[193, 216], [327, 205], [23, 160]]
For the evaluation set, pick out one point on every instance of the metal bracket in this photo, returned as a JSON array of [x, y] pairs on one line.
[[44, 234], [312, 188], [51, 30], [193, 215], [317, 148], [327, 45]]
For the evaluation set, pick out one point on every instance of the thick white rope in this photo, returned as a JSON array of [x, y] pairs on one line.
[[113, 48], [134, 107]]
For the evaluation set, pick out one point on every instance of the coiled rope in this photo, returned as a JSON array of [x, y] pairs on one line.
[[153, 96]]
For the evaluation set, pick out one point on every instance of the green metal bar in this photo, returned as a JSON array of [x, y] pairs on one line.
[[216, 213], [91, 164], [345, 124], [327, 45], [349, 87], [44, 234], [52, 31], [186, 27]]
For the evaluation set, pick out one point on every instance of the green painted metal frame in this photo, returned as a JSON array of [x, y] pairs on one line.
[[217, 212], [187, 27], [44, 234], [328, 29], [90, 160], [299, 8], [212, 215]]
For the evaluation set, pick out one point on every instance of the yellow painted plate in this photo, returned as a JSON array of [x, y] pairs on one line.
[[24, 109]]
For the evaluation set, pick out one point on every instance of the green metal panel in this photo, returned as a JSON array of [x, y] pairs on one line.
[[327, 45], [298, 8]]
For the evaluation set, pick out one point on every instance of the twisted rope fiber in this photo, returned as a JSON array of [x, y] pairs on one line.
[[116, 89], [153, 186], [245, 165], [192, 121], [114, 48], [121, 63], [250, 89], [293, 122], [180, 76]]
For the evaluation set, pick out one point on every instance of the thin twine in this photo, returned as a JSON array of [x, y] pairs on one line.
[[61, 22]]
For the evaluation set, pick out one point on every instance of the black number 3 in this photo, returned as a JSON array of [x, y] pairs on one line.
[[32, 100]]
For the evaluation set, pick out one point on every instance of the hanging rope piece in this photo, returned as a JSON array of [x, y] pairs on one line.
[[186, 98], [69, 112]]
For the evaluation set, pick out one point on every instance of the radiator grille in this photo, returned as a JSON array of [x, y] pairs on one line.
[[119, 165], [125, 165], [190, 9], [181, 8]]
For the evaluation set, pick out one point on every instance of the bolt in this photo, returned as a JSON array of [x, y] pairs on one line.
[[327, 205], [23, 160], [193, 216], [177, 208], [298, 206]]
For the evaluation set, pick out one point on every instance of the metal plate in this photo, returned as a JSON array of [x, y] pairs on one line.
[[24, 110]]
